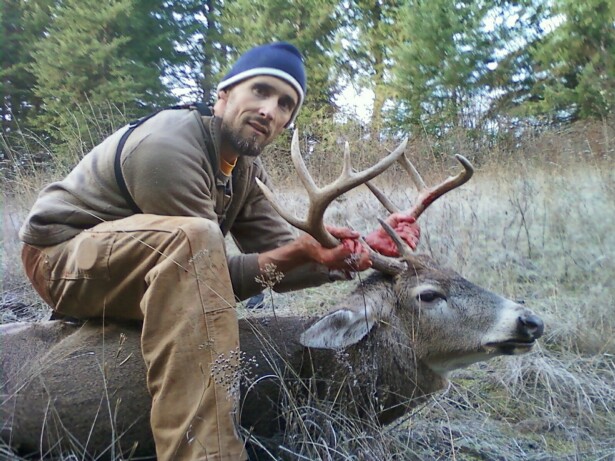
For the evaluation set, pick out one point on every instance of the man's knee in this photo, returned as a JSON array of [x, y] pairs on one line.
[[199, 226], [191, 244], [155, 223], [202, 234]]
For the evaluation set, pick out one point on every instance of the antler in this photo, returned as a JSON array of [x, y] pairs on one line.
[[427, 195], [320, 198]]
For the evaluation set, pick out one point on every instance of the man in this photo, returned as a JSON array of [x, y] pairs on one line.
[[136, 231]]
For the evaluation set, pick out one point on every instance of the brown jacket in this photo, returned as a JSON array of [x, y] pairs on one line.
[[171, 167]]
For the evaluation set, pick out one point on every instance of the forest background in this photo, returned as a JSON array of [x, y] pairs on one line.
[[524, 89], [73, 70]]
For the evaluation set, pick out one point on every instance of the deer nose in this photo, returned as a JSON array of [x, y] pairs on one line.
[[531, 326]]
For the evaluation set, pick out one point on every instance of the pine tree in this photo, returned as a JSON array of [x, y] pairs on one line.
[[440, 62], [187, 37], [100, 62], [8, 75], [367, 40], [516, 27], [21, 26], [574, 64], [309, 24], [204, 48]]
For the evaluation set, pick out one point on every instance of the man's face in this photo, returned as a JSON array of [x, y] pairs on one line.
[[254, 112]]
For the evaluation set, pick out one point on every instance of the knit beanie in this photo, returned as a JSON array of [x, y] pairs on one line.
[[279, 59]]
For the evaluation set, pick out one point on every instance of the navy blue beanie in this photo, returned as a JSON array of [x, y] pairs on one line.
[[280, 60]]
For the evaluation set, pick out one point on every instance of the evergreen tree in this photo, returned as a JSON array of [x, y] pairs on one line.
[[457, 60], [158, 32], [516, 27], [195, 31], [204, 48], [441, 60], [574, 64], [102, 61], [308, 24], [81, 67], [21, 26], [9, 14], [367, 41]]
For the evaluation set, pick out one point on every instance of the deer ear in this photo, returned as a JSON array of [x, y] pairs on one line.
[[339, 329]]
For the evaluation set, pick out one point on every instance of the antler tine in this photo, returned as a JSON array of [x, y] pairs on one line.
[[349, 179], [414, 174], [402, 247], [302, 171], [387, 264], [347, 166], [386, 203], [416, 179], [426, 197], [429, 195], [321, 198]]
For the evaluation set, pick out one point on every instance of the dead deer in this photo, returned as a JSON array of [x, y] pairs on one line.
[[377, 353]]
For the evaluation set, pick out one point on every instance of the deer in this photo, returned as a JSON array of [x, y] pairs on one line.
[[375, 355]]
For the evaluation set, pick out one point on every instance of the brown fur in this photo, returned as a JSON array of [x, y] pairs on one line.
[[89, 380]]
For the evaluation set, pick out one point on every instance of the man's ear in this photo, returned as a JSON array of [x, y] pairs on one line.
[[220, 104]]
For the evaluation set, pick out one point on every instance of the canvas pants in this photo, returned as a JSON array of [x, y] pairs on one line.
[[172, 273]]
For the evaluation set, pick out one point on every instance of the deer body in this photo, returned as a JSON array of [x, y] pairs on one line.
[[375, 355]]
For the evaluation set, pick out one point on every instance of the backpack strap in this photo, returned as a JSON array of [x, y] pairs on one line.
[[203, 109]]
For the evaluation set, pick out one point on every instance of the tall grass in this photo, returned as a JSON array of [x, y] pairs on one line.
[[534, 224]]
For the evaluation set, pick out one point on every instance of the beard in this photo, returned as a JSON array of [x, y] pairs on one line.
[[243, 146]]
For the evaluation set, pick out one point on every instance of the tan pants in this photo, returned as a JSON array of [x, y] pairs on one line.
[[172, 273]]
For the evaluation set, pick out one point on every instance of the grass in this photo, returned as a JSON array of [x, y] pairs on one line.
[[534, 224], [532, 230]]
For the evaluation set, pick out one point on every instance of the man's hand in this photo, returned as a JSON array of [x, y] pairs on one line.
[[354, 255], [349, 256], [405, 226]]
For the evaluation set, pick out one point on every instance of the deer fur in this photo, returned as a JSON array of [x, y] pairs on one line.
[[392, 342]]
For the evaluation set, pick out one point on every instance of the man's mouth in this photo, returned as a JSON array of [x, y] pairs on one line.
[[258, 127]]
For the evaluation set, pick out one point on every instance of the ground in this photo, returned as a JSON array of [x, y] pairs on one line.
[[540, 232]]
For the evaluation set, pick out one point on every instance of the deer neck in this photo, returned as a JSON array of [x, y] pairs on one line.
[[376, 370]]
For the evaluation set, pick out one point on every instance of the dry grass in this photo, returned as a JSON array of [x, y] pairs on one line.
[[531, 229], [544, 236], [536, 223]]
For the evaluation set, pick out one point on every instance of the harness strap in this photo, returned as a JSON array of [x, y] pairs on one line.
[[203, 109]]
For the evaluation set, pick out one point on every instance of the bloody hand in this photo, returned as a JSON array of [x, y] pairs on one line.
[[405, 226], [357, 256]]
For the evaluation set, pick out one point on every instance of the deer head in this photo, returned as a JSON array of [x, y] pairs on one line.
[[429, 303]]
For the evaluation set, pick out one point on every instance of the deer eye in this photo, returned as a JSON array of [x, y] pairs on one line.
[[429, 296]]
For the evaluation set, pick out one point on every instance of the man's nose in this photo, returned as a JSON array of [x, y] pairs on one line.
[[268, 109]]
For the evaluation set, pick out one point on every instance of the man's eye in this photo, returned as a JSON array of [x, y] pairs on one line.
[[259, 91]]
